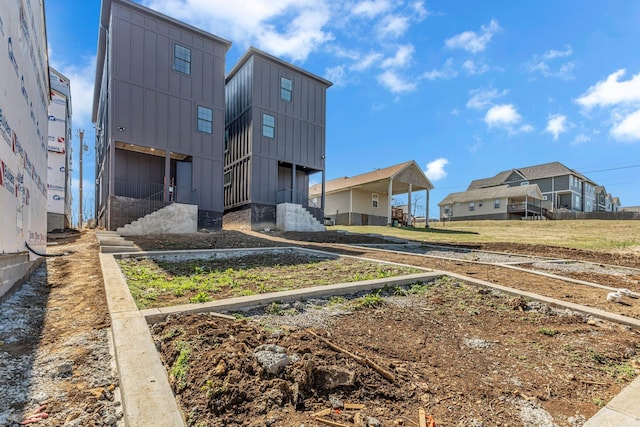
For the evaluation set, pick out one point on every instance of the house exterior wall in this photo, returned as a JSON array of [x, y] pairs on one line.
[[24, 102], [259, 168], [483, 209], [362, 210], [59, 155], [152, 105]]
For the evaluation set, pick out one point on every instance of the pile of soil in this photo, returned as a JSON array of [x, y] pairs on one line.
[[468, 356]]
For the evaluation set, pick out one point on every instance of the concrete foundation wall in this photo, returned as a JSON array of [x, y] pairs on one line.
[[14, 271], [254, 217], [55, 222], [292, 217], [173, 219]]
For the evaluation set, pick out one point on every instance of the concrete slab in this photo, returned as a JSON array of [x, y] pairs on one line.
[[117, 249], [115, 242]]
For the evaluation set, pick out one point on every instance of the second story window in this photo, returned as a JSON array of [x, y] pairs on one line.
[[205, 119], [268, 125], [182, 59], [286, 88]]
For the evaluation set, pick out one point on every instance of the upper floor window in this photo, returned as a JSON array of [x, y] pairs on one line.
[[205, 119], [268, 125], [182, 59], [286, 88]]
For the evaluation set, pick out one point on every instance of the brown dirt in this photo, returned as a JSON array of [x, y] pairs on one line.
[[469, 357], [427, 352]]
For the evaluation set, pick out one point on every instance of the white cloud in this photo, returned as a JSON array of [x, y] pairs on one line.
[[396, 84], [472, 68], [556, 125], [455, 112], [248, 22], [435, 169], [372, 8], [393, 26], [446, 72], [402, 58], [505, 116], [612, 91], [627, 129], [366, 61], [540, 63], [336, 75], [581, 139], [420, 9], [482, 98], [472, 41]]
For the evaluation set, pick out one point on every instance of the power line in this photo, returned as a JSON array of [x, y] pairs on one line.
[[614, 169]]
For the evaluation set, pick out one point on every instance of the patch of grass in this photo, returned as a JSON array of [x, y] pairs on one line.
[[598, 402], [274, 308], [548, 332], [371, 300], [200, 297], [337, 300], [180, 368]]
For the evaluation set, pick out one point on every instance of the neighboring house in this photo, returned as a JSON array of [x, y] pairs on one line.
[[366, 199], [561, 187], [159, 108], [59, 159], [275, 139], [603, 200], [495, 202], [24, 103], [615, 204]]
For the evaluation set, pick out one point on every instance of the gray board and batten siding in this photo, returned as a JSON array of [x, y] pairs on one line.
[[153, 106], [260, 166]]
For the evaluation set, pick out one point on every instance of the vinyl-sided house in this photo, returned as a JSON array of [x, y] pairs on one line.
[[366, 199], [158, 108], [562, 188], [275, 139], [496, 202]]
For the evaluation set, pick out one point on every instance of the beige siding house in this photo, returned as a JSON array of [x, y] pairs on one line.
[[366, 199], [499, 202]]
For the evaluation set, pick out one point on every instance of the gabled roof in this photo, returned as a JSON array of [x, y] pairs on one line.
[[492, 193], [252, 51], [377, 180], [546, 170]]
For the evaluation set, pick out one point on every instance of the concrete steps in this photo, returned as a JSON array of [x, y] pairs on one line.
[[175, 218], [111, 242], [293, 217]]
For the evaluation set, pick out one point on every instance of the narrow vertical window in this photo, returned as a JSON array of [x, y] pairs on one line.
[[182, 59], [286, 88], [472, 206], [226, 140], [268, 125], [375, 198], [496, 203], [227, 179], [205, 119]]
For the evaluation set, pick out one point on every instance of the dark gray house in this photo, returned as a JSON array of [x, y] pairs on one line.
[[159, 108], [275, 139]]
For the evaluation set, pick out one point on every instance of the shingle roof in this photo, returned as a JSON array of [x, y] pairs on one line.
[[367, 178], [495, 192], [545, 170]]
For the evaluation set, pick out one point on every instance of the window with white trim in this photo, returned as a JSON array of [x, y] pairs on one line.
[[268, 125], [182, 59], [375, 198], [472, 206], [496, 203]]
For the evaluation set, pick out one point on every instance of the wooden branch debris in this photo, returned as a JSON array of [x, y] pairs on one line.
[[322, 413], [363, 360], [332, 423]]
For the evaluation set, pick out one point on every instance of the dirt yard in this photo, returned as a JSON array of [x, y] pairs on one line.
[[54, 352]]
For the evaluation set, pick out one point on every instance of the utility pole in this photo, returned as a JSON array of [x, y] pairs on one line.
[[81, 134]]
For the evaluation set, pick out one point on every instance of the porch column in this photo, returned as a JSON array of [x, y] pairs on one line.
[[323, 190], [294, 195], [389, 196], [167, 175], [350, 204], [426, 214], [526, 206], [409, 205]]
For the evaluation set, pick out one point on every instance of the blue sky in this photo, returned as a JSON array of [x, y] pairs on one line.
[[465, 88]]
